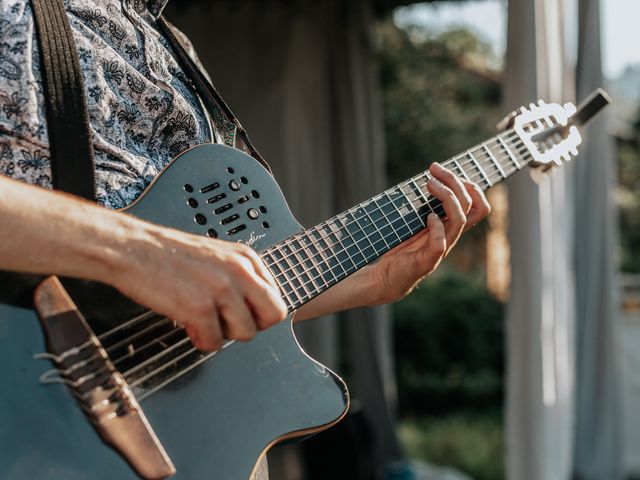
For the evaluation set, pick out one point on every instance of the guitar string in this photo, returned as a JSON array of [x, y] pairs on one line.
[[165, 381], [146, 315], [202, 359], [405, 184], [319, 253], [288, 243], [162, 354]]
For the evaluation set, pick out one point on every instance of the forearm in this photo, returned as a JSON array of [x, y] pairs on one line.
[[353, 292], [48, 232]]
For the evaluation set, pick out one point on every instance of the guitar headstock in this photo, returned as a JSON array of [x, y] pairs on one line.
[[547, 132]]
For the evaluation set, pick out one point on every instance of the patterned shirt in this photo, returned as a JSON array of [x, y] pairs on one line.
[[142, 109]]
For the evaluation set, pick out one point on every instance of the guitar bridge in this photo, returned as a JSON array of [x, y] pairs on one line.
[[99, 388]]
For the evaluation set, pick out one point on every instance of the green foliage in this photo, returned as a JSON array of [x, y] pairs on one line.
[[439, 96], [449, 346], [474, 445]]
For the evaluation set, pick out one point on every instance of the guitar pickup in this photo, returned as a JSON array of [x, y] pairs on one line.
[[99, 388]]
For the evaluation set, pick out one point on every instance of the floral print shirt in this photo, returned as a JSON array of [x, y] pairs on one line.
[[142, 109]]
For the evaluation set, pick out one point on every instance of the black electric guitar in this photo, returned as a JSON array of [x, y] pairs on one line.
[[125, 376]]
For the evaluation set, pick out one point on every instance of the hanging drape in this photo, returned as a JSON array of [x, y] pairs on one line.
[[598, 449], [540, 313], [563, 419]]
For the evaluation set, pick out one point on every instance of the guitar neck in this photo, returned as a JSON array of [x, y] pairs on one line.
[[310, 262]]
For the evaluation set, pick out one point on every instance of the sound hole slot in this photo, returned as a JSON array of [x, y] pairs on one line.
[[222, 209], [230, 219], [209, 188], [217, 198], [237, 229]]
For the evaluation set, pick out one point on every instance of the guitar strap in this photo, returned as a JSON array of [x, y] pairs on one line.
[[71, 148]]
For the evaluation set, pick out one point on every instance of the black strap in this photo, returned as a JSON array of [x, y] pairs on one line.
[[71, 150], [70, 144], [208, 93]]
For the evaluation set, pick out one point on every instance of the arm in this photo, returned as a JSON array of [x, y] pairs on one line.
[[398, 271], [210, 286]]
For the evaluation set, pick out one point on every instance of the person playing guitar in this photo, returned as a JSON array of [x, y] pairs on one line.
[[143, 112]]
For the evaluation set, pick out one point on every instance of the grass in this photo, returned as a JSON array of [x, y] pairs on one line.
[[472, 443]]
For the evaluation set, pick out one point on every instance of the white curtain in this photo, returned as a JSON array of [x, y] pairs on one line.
[[563, 419], [540, 314], [598, 449]]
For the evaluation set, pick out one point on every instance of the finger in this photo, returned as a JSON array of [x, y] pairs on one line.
[[206, 333], [456, 217], [480, 206], [237, 320], [435, 246], [267, 305], [450, 180], [260, 267]]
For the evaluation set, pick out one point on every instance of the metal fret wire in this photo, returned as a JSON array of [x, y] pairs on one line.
[[400, 187], [290, 276]]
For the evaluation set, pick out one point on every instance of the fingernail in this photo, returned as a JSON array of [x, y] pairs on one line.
[[437, 166], [436, 182], [432, 217]]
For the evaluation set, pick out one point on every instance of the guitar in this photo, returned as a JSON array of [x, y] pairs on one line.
[[130, 378]]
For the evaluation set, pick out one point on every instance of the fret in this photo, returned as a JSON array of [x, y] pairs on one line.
[[345, 245], [509, 152], [482, 172], [494, 160], [388, 228], [426, 206], [303, 263], [329, 259], [293, 275], [403, 210], [323, 268], [285, 283], [460, 169], [313, 266], [403, 232], [371, 229], [352, 240], [375, 215], [413, 207]]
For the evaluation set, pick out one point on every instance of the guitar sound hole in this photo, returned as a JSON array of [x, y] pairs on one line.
[[192, 202], [217, 198], [255, 194], [212, 233], [222, 209], [230, 170], [200, 219], [263, 209], [243, 199], [209, 188], [188, 188], [244, 180], [230, 219], [265, 224], [237, 229]]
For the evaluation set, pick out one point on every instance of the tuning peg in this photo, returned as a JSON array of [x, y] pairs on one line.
[[570, 108], [507, 122]]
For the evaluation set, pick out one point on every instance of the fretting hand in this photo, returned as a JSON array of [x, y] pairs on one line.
[[398, 271]]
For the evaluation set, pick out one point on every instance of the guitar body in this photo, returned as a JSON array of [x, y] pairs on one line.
[[216, 420]]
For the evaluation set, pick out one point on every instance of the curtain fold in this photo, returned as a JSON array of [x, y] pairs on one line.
[[598, 449], [540, 312]]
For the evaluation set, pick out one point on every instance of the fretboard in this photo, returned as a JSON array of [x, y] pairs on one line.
[[308, 263]]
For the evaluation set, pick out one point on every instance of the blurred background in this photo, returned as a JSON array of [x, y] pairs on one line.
[[519, 358]]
